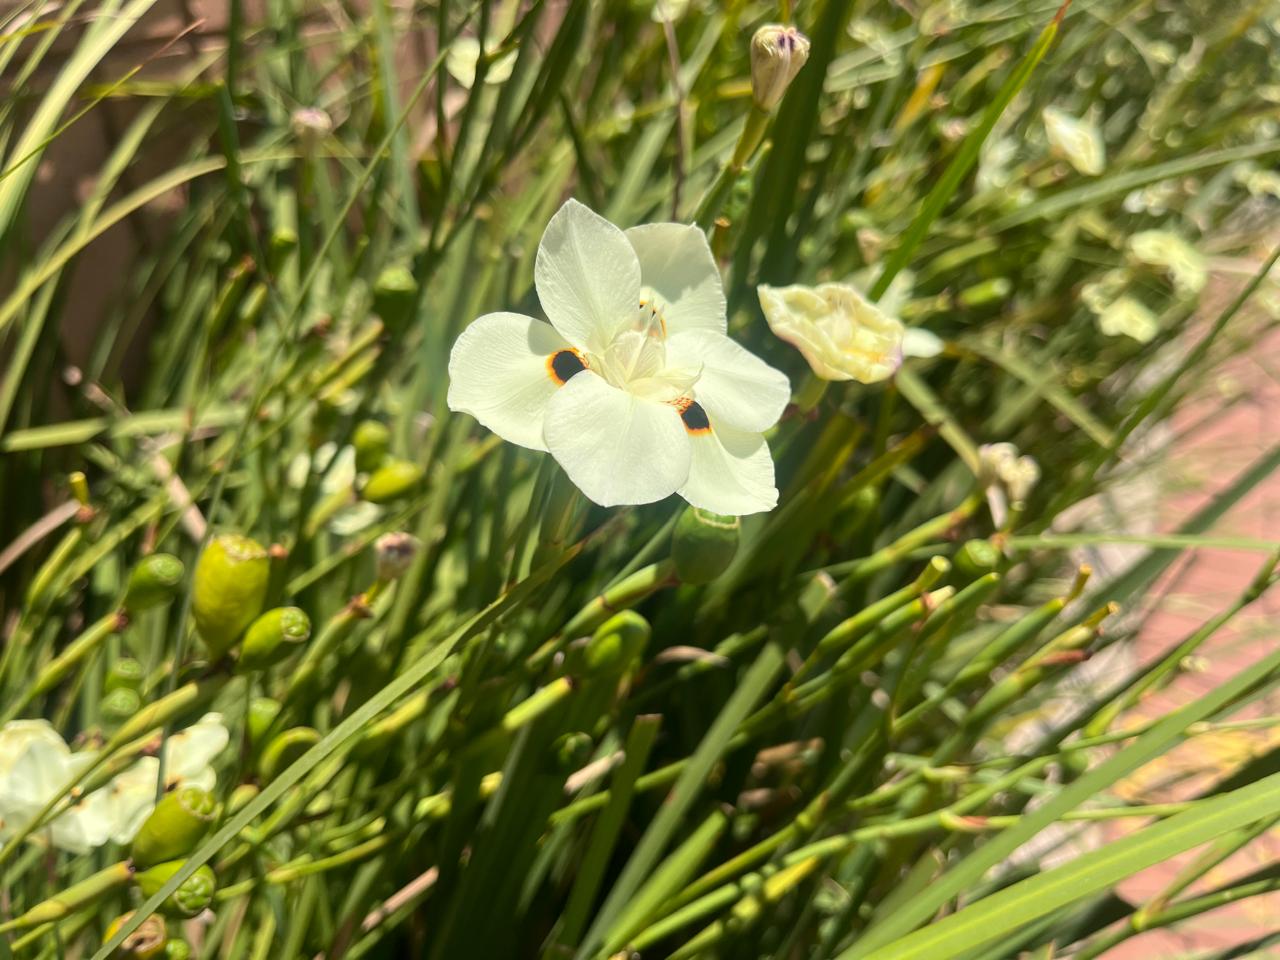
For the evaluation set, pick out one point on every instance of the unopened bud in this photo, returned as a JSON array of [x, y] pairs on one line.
[[262, 714], [977, 557], [391, 481], [230, 588], [177, 949], [371, 440], [571, 751], [273, 636], [703, 545], [179, 822], [284, 750], [777, 54], [616, 644], [193, 894], [154, 581], [394, 554]]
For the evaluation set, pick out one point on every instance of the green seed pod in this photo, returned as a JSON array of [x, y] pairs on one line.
[[125, 673], [144, 943], [371, 440], [703, 545], [284, 749], [230, 589], [262, 713], [616, 644], [393, 480], [394, 293], [193, 894], [154, 581], [570, 751], [179, 822], [119, 705], [977, 557], [240, 796], [273, 636], [176, 949]]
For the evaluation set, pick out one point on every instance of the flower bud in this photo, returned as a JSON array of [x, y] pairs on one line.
[[394, 555], [570, 751], [193, 894], [273, 636], [240, 796], [154, 581], [125, 672], [177, 949], [284, 750], [394, 295], [977, 557], [393, 480], [230, 588], [616, 644], [777, 54], [145, 942], [703, 545], [119, 705], [179, 822], [262, 713], [371, 440]]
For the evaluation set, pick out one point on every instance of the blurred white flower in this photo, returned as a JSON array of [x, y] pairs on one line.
[[634, 387], [464, 57], [842, 334], [1008, 477], [921, 344], [1130, 318], [351, 518], [664, 10], [1179, 260], [36, 765], [1079, 142]]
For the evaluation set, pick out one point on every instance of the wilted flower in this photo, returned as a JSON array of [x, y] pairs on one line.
[[311, 125], [842, 334], [1005, 473], [777, 54], [1079, 142], [1164, 249], [394, 553], [634, 386], [1128, 317]]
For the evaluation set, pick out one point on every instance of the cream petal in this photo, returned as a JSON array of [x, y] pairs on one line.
[[731, 472], [498, 373], [588, 277], [736, 387], [678, 271], [189, 752], [616, 447]]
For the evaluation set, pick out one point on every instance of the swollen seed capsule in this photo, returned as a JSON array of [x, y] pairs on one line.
[[394, 293], [125, 672], [176, 949], [703, 545], [193, 894], [119, 705], [393, 480], [262, 713], [179, 822], [284, 749], [230, 588], [273, 636], [977, 557], [616, 644], [145, 942], [154, 581], [371, 440], [240, 796]]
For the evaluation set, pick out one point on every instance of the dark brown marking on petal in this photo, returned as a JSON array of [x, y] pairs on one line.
[[695, 418], [564, 364]]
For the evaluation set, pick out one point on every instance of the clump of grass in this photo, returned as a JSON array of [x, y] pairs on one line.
[[522, 726]]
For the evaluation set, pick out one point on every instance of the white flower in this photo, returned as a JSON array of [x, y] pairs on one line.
[[464, 57], [634, 386], [842, 334], [1079, 142], [1005, 473], [36, 765], [1183, 263], [1128, 317]]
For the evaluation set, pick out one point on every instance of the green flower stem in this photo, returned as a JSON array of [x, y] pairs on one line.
[[67, 929], [337, 629], [57, 669], [91, 890], [749, 140], [521, 716], [622, 596]]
